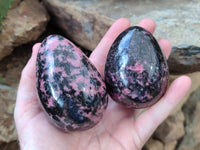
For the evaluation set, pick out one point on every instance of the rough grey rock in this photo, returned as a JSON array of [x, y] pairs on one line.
[[191, 110], [195, 85], [86, 22], [21, 25], [178, 23], [171, 129], [10, 72], [170, 145], [9, 146], [7, 103], [184, 60], [84, 27], [153, 144], [15, 4]]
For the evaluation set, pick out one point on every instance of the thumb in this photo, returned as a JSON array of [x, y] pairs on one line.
[[26, 102]]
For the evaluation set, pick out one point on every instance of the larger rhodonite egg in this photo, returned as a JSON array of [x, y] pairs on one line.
[[70, 89], [136, 71]]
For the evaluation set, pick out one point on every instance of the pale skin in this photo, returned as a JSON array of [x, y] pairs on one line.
[[120, 128]]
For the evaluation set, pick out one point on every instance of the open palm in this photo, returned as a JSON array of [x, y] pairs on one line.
[[120, 128]]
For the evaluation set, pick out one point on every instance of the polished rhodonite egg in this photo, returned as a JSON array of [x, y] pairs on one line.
[[136, 71], [70, 89]]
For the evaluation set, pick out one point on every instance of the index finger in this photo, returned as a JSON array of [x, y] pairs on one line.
[[98, 56]]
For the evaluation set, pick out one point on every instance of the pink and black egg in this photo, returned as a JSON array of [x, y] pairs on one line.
[[71, 91], [136, 71]]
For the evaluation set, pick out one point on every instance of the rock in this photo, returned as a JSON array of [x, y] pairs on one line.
[[153, 144], [191, 148], [196, 147], [7, 102], [15, 4], [21, 25], [184, 60], [83, 27], [171, 129], [191, 110], [170, 145], [10, 71], [195, 84], [86, 22], [9, 146], [181, 29]]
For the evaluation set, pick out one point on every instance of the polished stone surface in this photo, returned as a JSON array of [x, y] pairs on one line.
[[70, 89], [136, 71]]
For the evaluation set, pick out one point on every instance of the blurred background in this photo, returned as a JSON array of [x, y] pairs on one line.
[[25, 22]]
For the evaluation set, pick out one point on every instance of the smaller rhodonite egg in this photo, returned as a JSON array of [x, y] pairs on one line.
[[136, 71], [70, 89]]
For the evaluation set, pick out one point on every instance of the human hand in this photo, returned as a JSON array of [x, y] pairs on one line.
[[120, 128]]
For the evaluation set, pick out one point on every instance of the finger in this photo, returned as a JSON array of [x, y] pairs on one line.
[[148, 24], [26, 90], [27, 72], [165, 46], [98, 56], [149, 120]]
